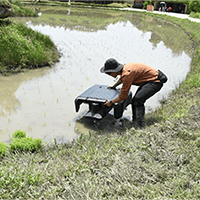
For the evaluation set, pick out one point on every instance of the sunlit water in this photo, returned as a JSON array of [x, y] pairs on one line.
[[41, 101]]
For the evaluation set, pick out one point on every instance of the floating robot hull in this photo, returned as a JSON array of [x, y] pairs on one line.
[[96, 96]]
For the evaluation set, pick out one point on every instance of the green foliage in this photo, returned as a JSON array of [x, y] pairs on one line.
[[193, 80], [194, 6], [25, 144], [23, 12], [19, 134], [6, 2], [22, 143], [21, 46], [146, 3], [149, 2], [3, 148], [195, 15], [19, 179]]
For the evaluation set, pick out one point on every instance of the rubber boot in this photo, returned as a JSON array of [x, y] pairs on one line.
[[133, 114], [139, 121]]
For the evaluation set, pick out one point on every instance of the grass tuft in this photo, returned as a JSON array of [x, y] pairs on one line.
[[25, 144], [22, 143], [3, 149], [195, 15], [19, 134]]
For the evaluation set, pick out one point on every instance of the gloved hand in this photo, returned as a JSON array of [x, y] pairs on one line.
[[111, 87], [108, 103]]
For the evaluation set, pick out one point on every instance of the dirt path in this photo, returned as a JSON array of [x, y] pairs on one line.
[[178, 15]]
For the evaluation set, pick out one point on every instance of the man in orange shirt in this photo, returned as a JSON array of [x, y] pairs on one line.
[[138, 74]]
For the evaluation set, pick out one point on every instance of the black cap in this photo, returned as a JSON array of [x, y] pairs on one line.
[[111, 65]]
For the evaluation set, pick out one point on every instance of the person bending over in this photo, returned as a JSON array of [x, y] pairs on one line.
[[144, 76]]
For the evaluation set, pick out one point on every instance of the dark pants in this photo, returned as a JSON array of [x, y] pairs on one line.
[[143, 93]]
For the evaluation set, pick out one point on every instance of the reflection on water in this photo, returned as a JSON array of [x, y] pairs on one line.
[[41, 102]]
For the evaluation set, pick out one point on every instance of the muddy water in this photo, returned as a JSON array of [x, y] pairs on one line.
[[41, 102]]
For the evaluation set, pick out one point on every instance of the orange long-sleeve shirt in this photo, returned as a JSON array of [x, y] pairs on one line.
[[136, 74]]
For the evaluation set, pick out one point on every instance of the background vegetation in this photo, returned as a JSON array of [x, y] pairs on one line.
[[19, 9], [193, 6]]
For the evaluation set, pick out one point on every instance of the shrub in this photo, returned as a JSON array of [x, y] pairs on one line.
[[194, 6], [146, 3]]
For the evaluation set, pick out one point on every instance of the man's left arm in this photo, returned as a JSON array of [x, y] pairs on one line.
[[122, 96]]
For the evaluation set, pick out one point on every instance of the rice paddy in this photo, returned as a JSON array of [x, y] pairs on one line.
[[159, 162], [50, 92]]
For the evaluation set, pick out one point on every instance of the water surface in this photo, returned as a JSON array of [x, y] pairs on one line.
[[41, 101]]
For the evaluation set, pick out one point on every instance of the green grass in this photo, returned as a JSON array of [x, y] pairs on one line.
[[19, 134], [23, 12], [6, 2], [161, 161], [19, 10], [3, 149], [195, 15], [140, 165], [22, 47]]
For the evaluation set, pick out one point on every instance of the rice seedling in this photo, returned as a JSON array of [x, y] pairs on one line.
[[30, 128], [22, 143], [44, 124], [3, 149]]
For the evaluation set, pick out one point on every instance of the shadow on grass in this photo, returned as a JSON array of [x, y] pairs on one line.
[[4, 22], [151, 120], [109, 125]]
